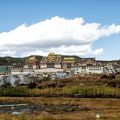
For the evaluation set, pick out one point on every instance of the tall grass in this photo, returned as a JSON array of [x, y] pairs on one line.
[[91, 91]]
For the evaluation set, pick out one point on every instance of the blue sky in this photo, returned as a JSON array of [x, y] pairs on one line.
[[23, 14]]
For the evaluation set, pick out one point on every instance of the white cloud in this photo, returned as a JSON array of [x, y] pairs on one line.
[[8, 53], [59, 35], [36, 52], [71, 50]]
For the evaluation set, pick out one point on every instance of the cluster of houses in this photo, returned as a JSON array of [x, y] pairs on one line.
[[57, 66]]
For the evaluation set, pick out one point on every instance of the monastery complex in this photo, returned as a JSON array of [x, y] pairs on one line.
[[56, 66], [51, 63], [54, 63]]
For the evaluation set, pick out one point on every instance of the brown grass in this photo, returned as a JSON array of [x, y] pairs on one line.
[[83, 108]]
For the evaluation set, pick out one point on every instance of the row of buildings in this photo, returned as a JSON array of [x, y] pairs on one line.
[[56, 66], [54, 63]]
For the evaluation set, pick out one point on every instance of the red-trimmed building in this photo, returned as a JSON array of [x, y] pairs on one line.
[[31, 63]]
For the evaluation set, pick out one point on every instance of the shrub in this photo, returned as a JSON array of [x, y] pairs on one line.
[[23, 116], [6, 85]]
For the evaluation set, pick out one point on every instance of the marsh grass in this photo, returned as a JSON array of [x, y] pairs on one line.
[[88, 91], [80, 105], [111, 117], [40, 117], [24, 116]]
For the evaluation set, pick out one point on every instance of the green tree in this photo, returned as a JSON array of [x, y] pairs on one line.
[[7, 85]]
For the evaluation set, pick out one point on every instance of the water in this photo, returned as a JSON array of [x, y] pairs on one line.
[[12, 105], [18, 108], [30, 108]]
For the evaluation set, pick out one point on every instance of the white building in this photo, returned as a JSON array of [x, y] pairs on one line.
[[48, 70], [94, 69], [87, 69], [19, 71]]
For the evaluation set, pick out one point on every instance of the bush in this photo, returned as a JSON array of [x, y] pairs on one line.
[[6, 85]]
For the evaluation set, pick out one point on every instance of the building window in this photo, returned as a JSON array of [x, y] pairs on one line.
[[50, 65], [30, 65], [68, 65]]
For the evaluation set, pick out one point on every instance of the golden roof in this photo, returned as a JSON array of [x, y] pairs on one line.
[[51, 54], [32, 59], [68, 59]]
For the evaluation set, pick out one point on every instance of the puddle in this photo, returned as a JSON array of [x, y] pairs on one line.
[[30, 108], [18, 108], [13, 105]]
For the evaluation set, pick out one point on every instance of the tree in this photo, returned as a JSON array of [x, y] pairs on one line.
[[7, 85]]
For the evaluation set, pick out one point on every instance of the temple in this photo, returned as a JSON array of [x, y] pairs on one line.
[[67, 63], [31, 63], [50, 64], [51, 61]]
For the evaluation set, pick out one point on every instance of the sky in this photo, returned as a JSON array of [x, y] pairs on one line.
[[86, 28]]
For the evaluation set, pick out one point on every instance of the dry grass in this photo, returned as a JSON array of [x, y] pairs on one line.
[[84, 108]]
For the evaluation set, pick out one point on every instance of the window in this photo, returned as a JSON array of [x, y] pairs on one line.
[[68, 65], [30, 65], [50, 65]]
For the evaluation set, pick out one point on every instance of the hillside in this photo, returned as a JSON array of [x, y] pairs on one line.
[[17, 62], [111, 80]]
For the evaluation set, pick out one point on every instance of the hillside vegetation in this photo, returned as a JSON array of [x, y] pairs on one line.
[[77, 86], [17, 62]]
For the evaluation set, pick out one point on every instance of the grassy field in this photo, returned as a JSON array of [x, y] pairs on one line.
[[100, 94], [82, 108]]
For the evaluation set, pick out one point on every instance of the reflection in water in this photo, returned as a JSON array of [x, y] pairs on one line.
[[30, 108], [17, 108], [15, 113]]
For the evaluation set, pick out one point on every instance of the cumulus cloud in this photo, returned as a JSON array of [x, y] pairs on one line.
[[59, 35]]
